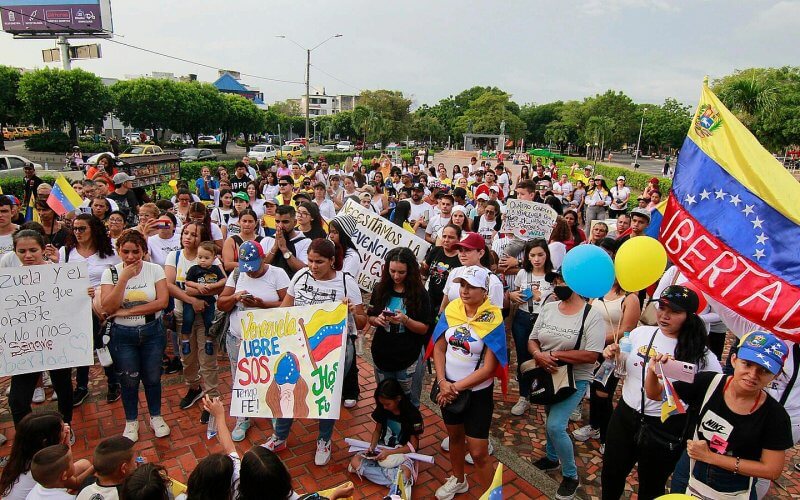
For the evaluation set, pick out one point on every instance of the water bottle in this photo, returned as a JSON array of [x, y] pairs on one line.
[[211, 430], [625, 346]]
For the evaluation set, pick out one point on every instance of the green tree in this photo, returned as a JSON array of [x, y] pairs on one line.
[[342, 124], [617, 107], [200, 110], [538, 118], [665, 126], [390, 109], [239, 116], [423, 127], [146, 103], [76, 97], [557, 132], [485, 115], [289, 107], [10, 107]]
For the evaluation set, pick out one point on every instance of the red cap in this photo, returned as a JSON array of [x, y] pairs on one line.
[[472, 241]]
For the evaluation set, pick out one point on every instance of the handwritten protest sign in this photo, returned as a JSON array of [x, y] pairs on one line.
[[291, 362], [528, 219], [46, 321], [374, 237]]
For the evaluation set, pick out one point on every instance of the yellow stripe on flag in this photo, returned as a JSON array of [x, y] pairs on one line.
[[69, 191], [323, 318], [497, 484]]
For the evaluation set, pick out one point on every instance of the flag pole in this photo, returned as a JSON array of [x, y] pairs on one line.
[[305, 342]]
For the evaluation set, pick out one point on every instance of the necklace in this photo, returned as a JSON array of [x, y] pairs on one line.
[[758, 396]]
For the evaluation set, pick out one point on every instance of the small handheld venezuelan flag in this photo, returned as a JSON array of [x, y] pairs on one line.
[[63, 198], [495, 491], [672, 404]]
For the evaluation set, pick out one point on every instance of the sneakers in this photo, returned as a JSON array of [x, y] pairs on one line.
[[79, 396], [577, 413], [114, 393], [452, 488], [545, 463], [275, 444], [349, 403], [131, 430], [567, 488], [521, 407], [240, 429], [585, 433], [446, 444], [46, 382], [468, 457], [323, 455], [38, 395], [174, 365], [603, 451], [160, 428], [192, 396], [204, 417]]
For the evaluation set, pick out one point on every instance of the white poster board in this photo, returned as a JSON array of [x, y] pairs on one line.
[[374, 237], [46, 322], [528, 219]]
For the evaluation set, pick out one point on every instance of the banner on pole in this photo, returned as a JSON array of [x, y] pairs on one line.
[[46, 322], [528, 219], [374, 237], [291, 362]]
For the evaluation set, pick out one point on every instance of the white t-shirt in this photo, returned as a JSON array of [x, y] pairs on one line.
[[39, 492], [265, 288], [139, 290], [436, 223], [623, 194], [220, 216], [301, 244], [308, 291], [180, 274], [528, 281], [96, 492], [6, 243], [640, 338], [562, 191], [422, 210], [10, 259], [451, 289], [96, 265], [159, 247], [352, 263], [463, 354], [22, 487], [326, 209], [270, 191], [504, 184], [233, 226]]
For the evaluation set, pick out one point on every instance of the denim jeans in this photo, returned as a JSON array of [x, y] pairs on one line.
[[189, 314], [284, 425], [521, 328], [404, 377], [719, 479], [559, 445], [137, 351]]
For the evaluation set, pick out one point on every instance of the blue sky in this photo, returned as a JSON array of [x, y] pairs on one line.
[[538, 50]]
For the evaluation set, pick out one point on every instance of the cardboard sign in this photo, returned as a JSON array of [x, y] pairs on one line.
[[291, 362], [46, 322], [374, 237], [527, 219]]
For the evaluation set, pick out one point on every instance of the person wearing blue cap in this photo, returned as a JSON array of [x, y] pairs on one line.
[[741, 432]]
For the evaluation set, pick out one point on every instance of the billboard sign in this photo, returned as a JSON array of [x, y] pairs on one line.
[[52, 18]]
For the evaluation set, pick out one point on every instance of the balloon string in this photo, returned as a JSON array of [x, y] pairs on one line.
[[608, 318]]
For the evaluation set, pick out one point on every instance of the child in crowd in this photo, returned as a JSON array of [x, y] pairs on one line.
[[114, 460], [201, 279], [259, 471], [398, 427], [148, 482], [54, 472]]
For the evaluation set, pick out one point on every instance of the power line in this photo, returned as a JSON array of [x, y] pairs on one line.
[[69, 29], [337, 79]]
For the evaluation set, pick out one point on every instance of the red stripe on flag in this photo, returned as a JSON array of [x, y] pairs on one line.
[[325, 347], [729, 277], [56, 204]]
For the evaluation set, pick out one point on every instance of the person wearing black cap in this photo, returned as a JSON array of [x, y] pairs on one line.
[[420, 211], [636, 433]]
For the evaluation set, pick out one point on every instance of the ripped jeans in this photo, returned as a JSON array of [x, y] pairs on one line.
[[137, 351]]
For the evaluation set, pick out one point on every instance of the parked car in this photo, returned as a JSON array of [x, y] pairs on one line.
[[132, 138], [327, 148], [261, 152], [377, 145], [298, 140], [290, 149], [344, 146], [197, 154], [142, 150], [207, 139], [12, 165]]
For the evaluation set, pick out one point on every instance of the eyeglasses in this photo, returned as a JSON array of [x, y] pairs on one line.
[[80, 229], [490, 212], [283, 183]]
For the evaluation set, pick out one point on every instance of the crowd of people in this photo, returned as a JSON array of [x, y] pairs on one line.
[[272, 235]]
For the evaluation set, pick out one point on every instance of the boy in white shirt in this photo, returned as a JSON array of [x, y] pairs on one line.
[[53, 471], [114, 459]]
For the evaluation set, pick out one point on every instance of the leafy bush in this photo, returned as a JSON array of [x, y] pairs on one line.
[[49, 142], [634, 180], [93, 147], [15, 186]]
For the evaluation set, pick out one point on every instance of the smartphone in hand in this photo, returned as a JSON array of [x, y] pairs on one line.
[[679, 370]]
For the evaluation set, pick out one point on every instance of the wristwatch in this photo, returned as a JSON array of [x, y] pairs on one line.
[[287, 255]]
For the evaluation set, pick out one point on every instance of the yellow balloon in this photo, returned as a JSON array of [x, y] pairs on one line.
[[639, 263], [675, 496], [174, 185]]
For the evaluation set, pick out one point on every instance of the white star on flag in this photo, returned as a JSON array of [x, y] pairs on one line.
[[704, 195], [748, 209], [690, 199], [760, 355], [759, 253], [757, 222], [735, 200], [762, 239], [720, 195], [766, 363]]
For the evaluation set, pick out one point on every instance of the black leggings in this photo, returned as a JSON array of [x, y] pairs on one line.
[[350, 385], [22, 387], [601, 408], [655, 463]]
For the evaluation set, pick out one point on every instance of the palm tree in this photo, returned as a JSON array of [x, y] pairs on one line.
[[749, 94]]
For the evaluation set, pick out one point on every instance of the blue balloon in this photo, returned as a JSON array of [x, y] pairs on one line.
[[588, 270]]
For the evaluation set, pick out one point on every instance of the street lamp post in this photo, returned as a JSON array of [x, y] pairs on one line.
[[638, 141], [308, 67]]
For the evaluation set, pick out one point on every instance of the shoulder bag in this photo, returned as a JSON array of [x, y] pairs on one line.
[[461, 402], [550, 388]]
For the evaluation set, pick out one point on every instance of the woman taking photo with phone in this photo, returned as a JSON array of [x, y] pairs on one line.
[[636, 434]]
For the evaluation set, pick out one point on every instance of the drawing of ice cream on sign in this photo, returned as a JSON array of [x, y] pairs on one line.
[[291, 362]]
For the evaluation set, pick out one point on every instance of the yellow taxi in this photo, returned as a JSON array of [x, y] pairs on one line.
[[142, 150], [296, 150]]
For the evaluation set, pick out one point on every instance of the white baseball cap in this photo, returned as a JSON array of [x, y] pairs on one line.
[[474, 275]]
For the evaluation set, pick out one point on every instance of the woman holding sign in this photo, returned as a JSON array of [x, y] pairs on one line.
[[133, 295], [317, 284], [29, 247]]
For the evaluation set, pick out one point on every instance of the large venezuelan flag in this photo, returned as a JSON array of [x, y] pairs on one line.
[[486, 324], [732, 221], [63, 198], [325, 331]]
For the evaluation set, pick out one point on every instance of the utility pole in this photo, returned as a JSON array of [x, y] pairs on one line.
[[63, 45], [638, 141], [308, 78]]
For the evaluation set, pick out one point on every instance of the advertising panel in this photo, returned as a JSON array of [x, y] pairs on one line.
[[51, 18]]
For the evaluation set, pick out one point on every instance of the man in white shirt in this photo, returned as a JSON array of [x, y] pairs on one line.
[[420, 211], [326, 207], [563, 188], [440, 219], [502, 180], [251, 172]]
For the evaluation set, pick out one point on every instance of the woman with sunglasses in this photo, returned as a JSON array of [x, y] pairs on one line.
[[89, 243]]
